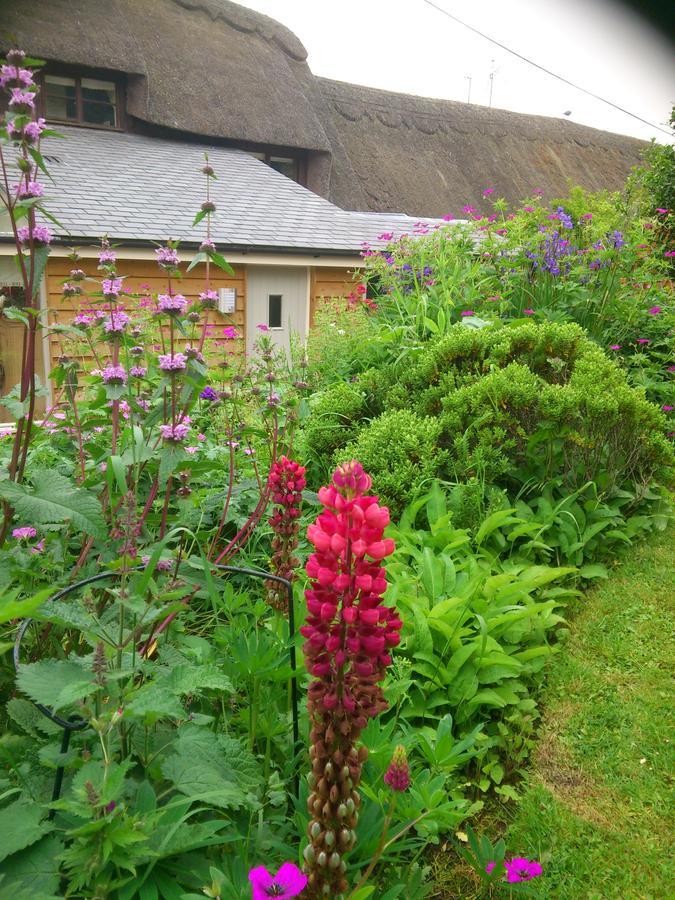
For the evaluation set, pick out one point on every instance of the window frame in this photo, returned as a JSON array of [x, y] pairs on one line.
[[298, 159], [279, 327], [77, 77]]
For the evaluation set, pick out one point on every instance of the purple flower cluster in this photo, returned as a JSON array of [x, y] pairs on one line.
[[176, 362], [107, 256], [8, 74], [41, 234], [172, 304], [209, 298], [167, 257], [115, 375], [29, 191], [116, 322], [209, 394], [175, 434], [30, 133], [138, 371], [111, 287]]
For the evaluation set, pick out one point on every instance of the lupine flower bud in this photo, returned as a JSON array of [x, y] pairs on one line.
[[287, 482], [397, 775]]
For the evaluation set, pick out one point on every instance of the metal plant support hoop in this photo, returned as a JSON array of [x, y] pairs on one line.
[[75, 724]]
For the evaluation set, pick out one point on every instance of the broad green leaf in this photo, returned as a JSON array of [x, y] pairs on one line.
[[35, 869], [53, 498], [221, 262], [596, 570], [11, 608], [21, 824], [55, 682]]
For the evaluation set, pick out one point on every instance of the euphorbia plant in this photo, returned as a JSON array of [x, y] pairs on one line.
[[349, 633]]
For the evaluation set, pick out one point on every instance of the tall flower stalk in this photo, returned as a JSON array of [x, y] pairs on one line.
[[287, 482], [349, 633]]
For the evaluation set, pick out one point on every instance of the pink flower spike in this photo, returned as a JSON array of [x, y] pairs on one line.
[[288, 882]]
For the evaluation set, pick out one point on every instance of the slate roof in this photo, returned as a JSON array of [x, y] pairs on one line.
[[136, 188]]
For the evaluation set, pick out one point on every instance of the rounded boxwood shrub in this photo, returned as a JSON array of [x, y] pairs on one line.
[[399, 449], [335, 417]]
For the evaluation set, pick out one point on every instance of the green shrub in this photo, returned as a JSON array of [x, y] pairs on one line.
[[400, 451], [335, 416]]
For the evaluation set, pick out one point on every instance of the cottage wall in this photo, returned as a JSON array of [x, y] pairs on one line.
[[328, 282]]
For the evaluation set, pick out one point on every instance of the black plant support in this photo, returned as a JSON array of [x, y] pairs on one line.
[[76, 724]]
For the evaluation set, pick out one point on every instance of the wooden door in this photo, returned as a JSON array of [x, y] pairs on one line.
[[277, 298], [11, 350]]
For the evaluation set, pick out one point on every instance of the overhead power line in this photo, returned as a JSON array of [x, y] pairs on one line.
[[530, 62]]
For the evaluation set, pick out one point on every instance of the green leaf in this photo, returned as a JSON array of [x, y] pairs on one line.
[[20, 826], [198, 258], [11, 608], [221, 262], [35, 869], [53, 498], [55, 682], [216, 769], [152, 702], [594, 571], [198, 218]]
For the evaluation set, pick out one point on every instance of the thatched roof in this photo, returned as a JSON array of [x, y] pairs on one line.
[[209, 67], [214, 69], [429, 157]]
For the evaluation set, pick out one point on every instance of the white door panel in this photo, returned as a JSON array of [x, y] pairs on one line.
[[278, 297]]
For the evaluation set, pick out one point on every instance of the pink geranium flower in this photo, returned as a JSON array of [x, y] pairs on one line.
[[24, 533], [521, 869], [288, 882]]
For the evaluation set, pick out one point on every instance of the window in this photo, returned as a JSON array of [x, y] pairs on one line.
[[83, 101], [274, 310], [286, 165]]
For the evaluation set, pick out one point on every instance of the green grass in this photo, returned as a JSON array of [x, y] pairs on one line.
[[595, 808]]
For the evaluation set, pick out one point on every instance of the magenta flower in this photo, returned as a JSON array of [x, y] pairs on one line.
[[661, 211], [24, 533], [643, 340], [262, 327], [82, 320], [467, 312], [528, 312], [397, 775], [667, 408], [114, 375], [386, 236], [488, 191], [230, 333], [469, 210], [288, 882], [521, 869], [669, 254], [489, 867], [175, 363], [41, 234], [654, 311], [173, 304], [615, 347]]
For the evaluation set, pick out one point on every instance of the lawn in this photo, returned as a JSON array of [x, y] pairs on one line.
[[595, 807]]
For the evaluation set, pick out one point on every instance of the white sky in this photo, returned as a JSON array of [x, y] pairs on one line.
[[405, 45]]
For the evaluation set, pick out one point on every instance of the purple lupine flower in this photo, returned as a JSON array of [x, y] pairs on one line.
[[138, 371], [208, 394], [111, 287], [175, 434], [172, 304], [167, 257], [116, 322], [24, 533], [617, 240], [172, 363], [41, 234], [115, 375], [564, 218]]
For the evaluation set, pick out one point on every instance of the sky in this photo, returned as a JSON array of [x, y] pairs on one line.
[[405, 45]]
